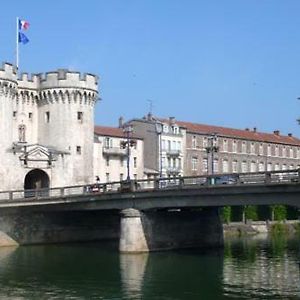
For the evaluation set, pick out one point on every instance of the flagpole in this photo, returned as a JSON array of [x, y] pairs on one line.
[[17, 44]]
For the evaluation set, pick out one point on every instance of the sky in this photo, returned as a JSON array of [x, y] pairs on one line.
[[233, 63]]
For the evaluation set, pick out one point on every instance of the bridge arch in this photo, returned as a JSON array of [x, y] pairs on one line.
[[36, 179]]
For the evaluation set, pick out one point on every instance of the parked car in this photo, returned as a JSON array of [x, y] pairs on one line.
[[225, 179]]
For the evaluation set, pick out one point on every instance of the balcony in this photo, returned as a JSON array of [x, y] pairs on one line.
[[114, 151], [170, 152], [173, 170]]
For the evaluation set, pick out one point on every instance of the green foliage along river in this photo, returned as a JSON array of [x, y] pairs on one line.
[[247, 268]]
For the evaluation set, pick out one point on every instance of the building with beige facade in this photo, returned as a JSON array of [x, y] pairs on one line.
[[111, 154], [192, 149]]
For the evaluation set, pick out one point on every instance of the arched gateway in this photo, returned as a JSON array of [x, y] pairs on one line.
[[36, 179]]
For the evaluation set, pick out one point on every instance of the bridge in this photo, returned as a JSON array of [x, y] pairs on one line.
[[144, 215]]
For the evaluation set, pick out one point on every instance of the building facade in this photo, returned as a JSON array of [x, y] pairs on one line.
[[111, 155], [192, 149], [164, 144], [46, 128]]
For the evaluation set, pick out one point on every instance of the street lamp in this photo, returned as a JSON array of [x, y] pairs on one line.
[[127, 144], [211, 149], [159, 128]]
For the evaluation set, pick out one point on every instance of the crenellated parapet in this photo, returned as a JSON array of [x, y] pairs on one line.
[[61, 86], [8, 80]]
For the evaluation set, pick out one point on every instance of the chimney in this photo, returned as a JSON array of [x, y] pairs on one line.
[[247, 129], [121, 122], [276, 132], [290, 134], [254, 129], [172, 120]]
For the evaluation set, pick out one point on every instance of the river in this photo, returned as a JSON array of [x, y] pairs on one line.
[[256, 267]]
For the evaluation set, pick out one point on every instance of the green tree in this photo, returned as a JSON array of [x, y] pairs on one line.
[[226, 214]]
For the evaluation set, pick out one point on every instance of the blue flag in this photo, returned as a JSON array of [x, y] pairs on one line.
[[23, 38]]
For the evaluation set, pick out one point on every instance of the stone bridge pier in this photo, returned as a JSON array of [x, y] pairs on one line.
[[153, 230]]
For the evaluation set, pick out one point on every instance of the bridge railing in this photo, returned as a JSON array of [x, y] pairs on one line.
[[269, 177]]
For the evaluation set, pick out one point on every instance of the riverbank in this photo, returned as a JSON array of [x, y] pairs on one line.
[[256, 227]]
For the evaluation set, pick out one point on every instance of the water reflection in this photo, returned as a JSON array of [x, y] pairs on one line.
[[132, 267], [261, 268], [249, 268]]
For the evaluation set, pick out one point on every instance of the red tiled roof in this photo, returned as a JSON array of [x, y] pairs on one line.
[[112, 131], [238, 133]]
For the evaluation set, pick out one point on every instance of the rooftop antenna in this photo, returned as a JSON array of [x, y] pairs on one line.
[[150, 106]]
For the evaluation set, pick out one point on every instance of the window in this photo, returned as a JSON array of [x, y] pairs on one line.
[[80, 116], [194, 163], [194, 142], [169, 145], [277, 167], [179, 146], [22, 131], [204, 142], [261, 167], [283, 152], [234, 146], [47, 117], [253, 166], [252, 148], [269, 167], [173, 145], [121, 176], [283, 167], [234, 166], [14, 114], [175, 129], [269, 150], [244, 167], [135, 176], [30, 116], [122, 161], [204, 165], [179, 163], [107, 177], [225, 146], [291, 153], [291, 167], [225, 166], [276, 151], [134, 162], [163, 144], [163, 162], [261, 149], [166, 128], [78, 149], [216, 165], [108, 143], [107, 161], [244, 147]]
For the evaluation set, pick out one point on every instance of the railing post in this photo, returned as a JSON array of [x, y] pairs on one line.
[[156, 184], [181, 182], [268, 177], [104, 188], [62, 191], [10, 195]]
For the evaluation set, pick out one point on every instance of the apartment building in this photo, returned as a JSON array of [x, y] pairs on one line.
[[227, 150], [164, 146], [110, 154], [178, 148]]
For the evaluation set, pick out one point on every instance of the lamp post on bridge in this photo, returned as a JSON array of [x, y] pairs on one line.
[[127, 144], [211, 149]]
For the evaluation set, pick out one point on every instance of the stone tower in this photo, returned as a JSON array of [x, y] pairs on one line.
[[47, 128]]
